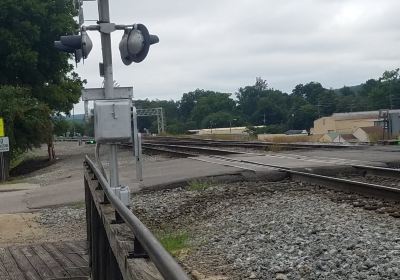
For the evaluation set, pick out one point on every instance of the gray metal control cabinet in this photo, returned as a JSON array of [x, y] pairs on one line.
[[112, 121]]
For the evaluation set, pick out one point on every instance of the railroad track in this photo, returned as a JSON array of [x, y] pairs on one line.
[[216, 156], [370, 189], [182, 149], [240, 144]]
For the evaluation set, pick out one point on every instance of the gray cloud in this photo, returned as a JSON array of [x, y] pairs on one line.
[[223, 45]]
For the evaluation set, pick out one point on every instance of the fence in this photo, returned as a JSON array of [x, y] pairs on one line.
[[120, 245]]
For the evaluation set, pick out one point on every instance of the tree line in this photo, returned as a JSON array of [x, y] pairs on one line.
[[277, 111], [37, 83]]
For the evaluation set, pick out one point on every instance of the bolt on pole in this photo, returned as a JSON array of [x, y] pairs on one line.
[[104, 17]]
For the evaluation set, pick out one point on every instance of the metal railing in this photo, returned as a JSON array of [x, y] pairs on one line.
[[104, 261]]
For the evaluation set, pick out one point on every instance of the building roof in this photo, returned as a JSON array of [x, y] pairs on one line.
[[295, 131], [372, 129], [348, 137], [332, 135], [363, 113], [374, 115]]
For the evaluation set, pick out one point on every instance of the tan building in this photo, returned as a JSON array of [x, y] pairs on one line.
[[345, 138], [346, 123], [369, 134]]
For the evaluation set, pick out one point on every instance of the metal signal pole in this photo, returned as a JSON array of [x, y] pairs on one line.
[[104, 18]]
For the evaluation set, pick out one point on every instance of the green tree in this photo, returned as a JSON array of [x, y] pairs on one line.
[[27, 121], [28, 29], [249, 96], [210, 103], [61, 126], [218, 119]]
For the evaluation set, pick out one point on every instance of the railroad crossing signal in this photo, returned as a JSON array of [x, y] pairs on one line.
[[80, 45], [135, 44]]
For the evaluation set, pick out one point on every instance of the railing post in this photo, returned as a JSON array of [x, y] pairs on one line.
[[138, 250], [94, 241], [113, 271], [103, 251], [88, 198]]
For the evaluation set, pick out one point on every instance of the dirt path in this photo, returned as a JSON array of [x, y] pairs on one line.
[[19, 228]]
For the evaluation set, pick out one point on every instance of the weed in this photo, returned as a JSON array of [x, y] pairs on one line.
[[174, 242], [78, 205], [197, 185]]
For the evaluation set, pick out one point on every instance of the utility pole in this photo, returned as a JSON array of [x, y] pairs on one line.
[[104, 18], [112, 106]]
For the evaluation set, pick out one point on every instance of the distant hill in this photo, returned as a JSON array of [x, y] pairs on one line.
[[354, 89]]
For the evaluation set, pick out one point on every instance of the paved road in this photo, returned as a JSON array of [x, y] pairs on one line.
[[63, 182], [70, 190]]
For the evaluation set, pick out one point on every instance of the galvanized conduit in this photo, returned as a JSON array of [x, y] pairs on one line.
[[164, 262]]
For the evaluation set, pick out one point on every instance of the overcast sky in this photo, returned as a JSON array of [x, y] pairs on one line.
[[225, 44]]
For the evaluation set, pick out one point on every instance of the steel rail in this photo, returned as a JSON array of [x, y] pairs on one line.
[[257, 144], [337, 183], [198, 149], [379, 171], [164, 262], [169, 151]]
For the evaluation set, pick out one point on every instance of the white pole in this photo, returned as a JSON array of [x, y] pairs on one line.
[[104, 17], [136, 148], [139, 174]]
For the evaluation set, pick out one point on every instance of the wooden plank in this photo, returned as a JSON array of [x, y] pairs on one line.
[[3, 272], [52, 264], [81, 244], [37, 263], [76, 246], [120, 238], [10, 265], [23, 263], [74, 257], [63, 260]]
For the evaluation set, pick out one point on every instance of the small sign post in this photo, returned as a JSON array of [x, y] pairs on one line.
[[4, 147], [2, 127]]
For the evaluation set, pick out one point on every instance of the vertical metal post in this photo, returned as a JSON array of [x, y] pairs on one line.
[[104, 17], [135, 136], [2, 166], [86, 106], [162, 120], [158, 123], [139, 175]]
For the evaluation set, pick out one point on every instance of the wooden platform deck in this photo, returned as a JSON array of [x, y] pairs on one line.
[[48, 261]]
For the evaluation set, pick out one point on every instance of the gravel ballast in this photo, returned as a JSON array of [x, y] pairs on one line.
[[64, 223], [280, 230]]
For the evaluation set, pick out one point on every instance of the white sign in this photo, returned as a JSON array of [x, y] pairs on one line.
[[4, 144], [99, 93]]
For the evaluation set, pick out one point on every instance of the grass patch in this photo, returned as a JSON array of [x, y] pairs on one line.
[[78, 205], [175, 243], [197, 185], [19, 159]]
